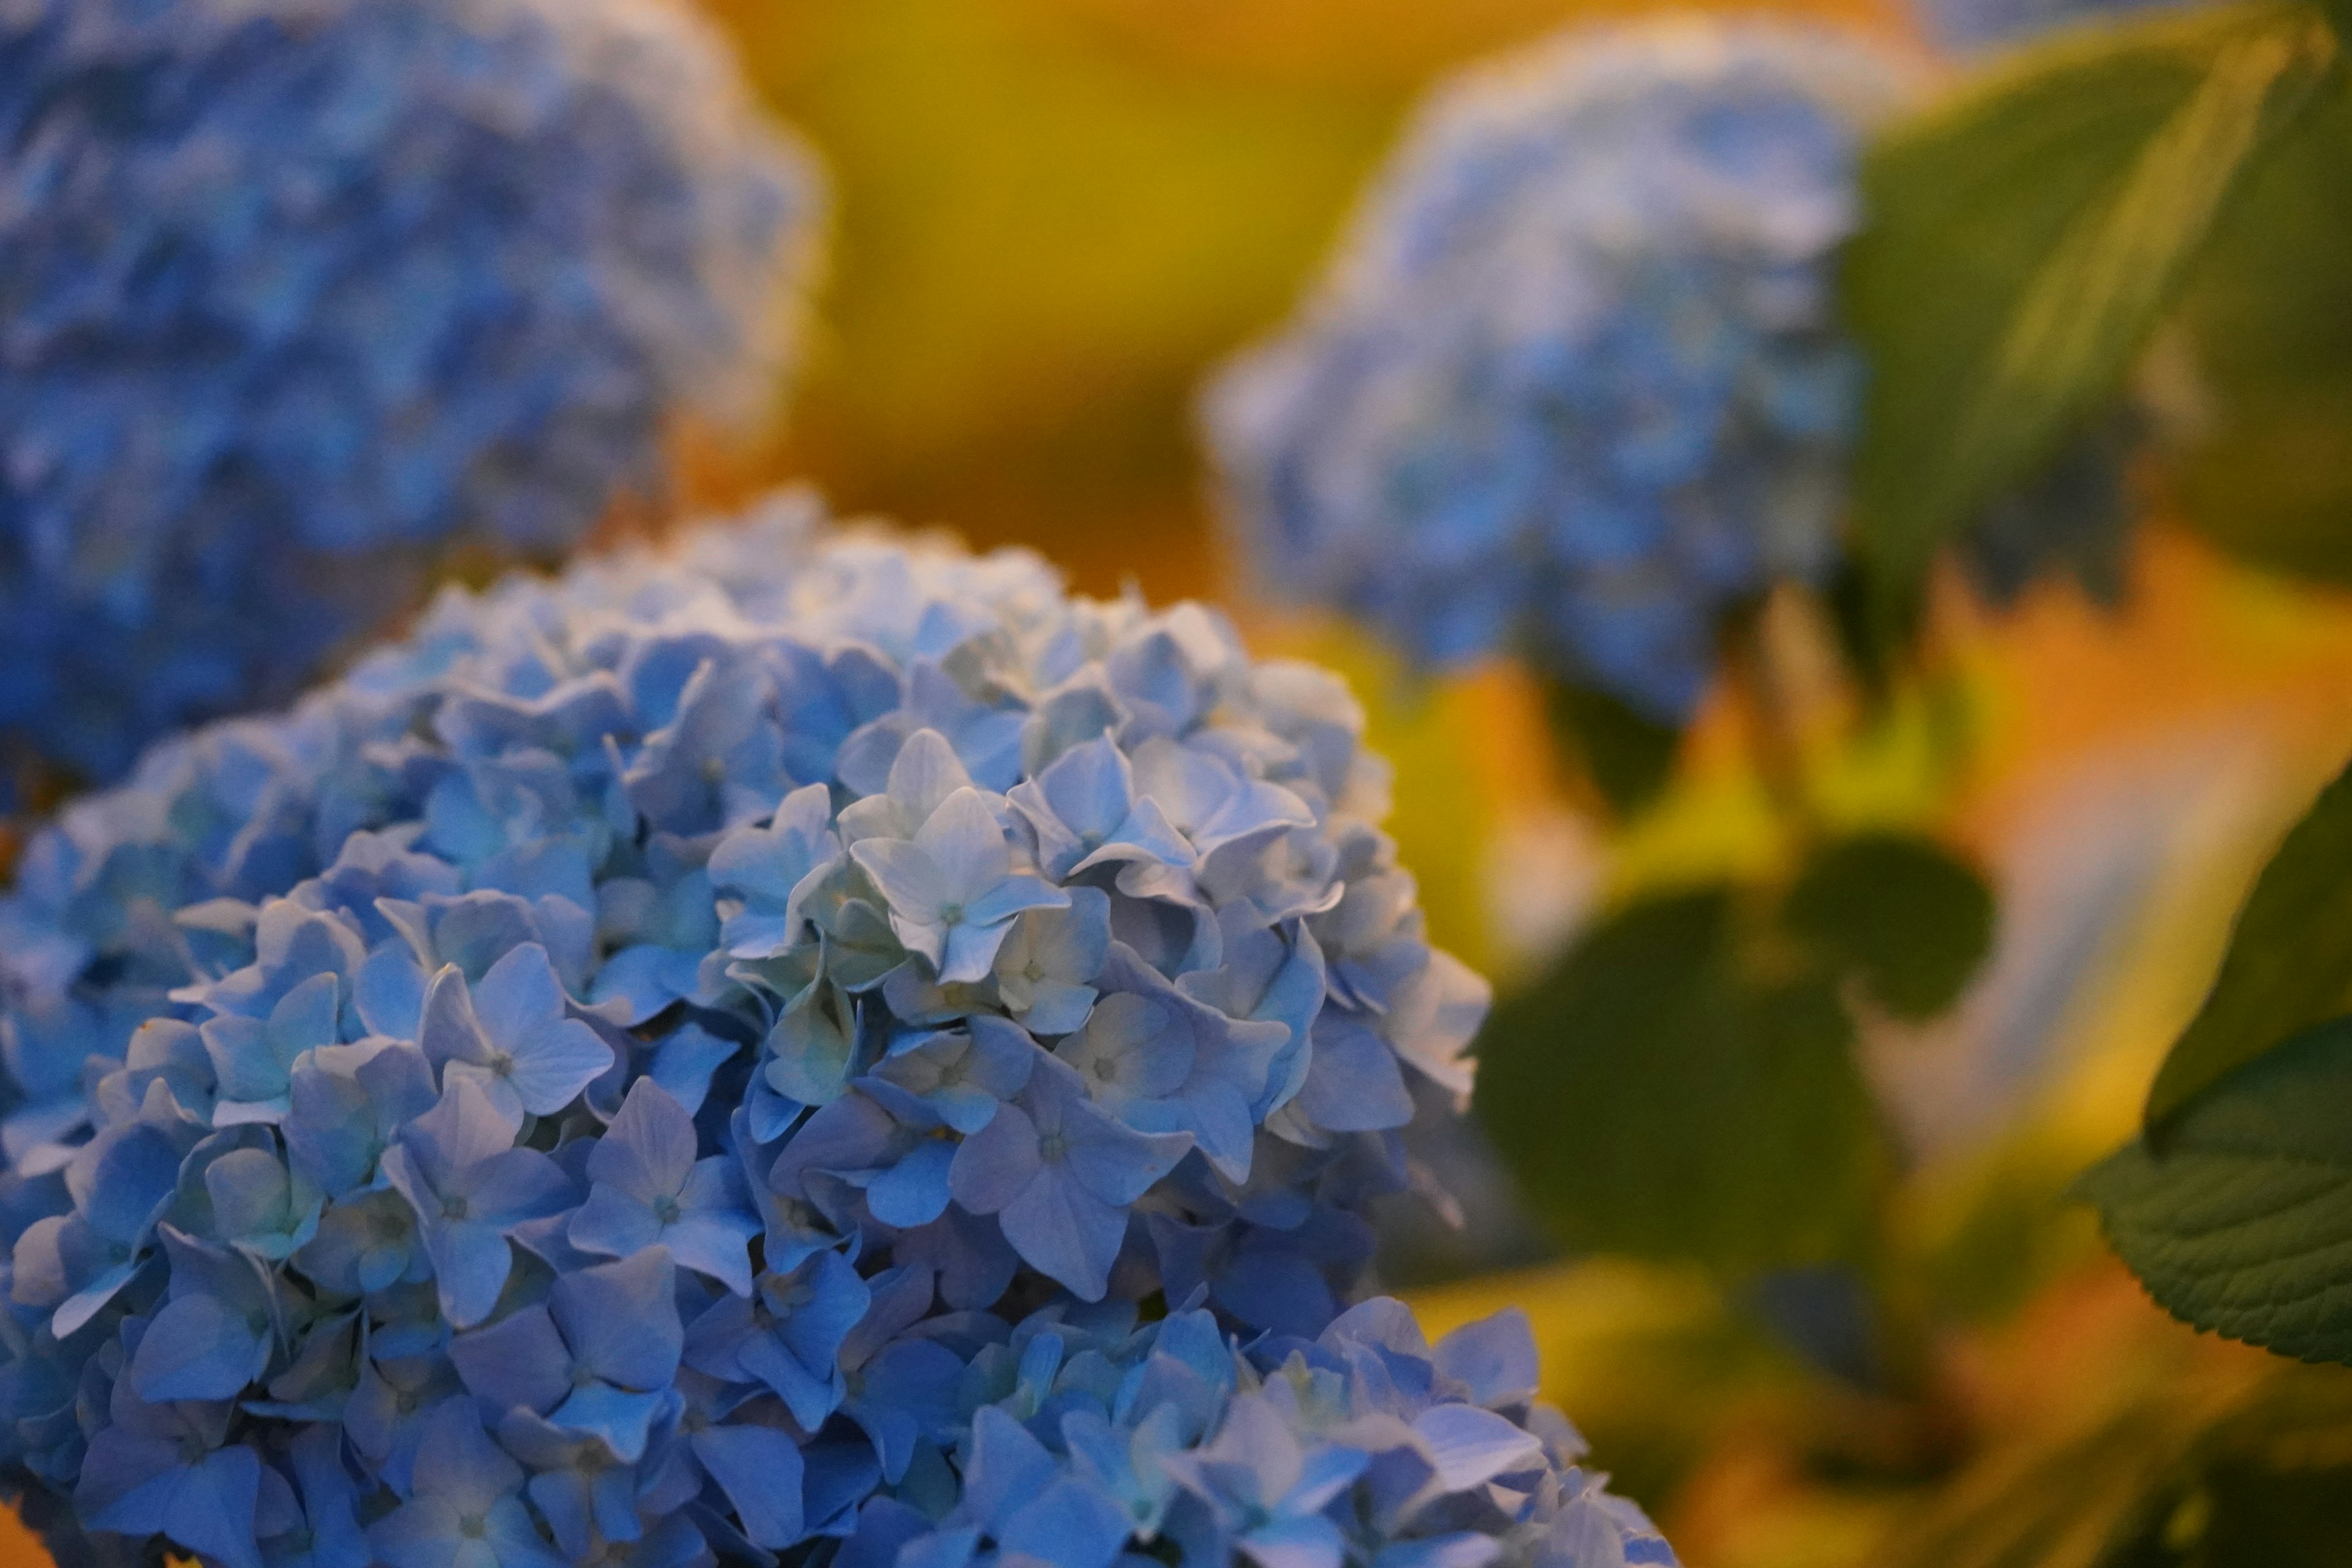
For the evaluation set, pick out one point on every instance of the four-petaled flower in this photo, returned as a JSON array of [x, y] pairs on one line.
[[952, 888], [470, 1185], [1058, 1174], [647, 1189]]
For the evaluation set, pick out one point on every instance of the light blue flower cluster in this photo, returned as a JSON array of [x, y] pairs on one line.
[[600, 1079], [1575, 384], [297, 294], [1083, 1441]]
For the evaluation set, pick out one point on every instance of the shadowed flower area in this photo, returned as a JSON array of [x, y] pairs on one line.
[[301, 295], [679, 1058], [1574, 384]]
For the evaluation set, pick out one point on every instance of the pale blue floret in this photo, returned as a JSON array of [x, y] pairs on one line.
[[163, 1468], [512, 1034], [253, 1060], [787, 1335], [453, 1106], [771, 873], [952, 888], [1574, 385], [302, 294], [459, 1169], [467, 1505], [1058, 1173], [963, 1076], [214, 1334], [647, 1189], [597, 1358]]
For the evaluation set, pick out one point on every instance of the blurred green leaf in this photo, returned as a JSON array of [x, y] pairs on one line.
[[2289, 964], [1910, 919], [2021, 241], [1656, 1095], [1628, 755], [2241, 1223], [2269, 319]]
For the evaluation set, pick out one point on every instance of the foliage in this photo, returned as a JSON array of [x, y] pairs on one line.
[[1683, 1083], [2050, 209], [2289, 965], [2233, 1207], [2238, 1218], [1905, 919], [2263, 337]]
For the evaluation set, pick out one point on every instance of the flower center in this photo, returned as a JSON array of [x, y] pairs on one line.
[[665, 1209], [950, 914], [473, 1527], [455, 1206], [1052, 1147]]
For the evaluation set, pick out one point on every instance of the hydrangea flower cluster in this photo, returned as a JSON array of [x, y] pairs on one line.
[[300, 293], [1970, 25], [602, 1079], [1575, 382], [1095, 1443]]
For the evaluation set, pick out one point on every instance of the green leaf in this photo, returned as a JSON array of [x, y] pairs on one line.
[[2268, 320], [1628, 755], [2021, 241], [1910, 919], [2289, 965], [1656, 1096], [2241, 1223]]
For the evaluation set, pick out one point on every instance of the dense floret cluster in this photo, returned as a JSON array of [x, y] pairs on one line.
[[1575, 383], [301, 293], [604, 1076], [1366, 1445]]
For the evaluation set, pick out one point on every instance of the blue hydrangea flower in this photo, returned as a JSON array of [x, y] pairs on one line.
[[302, 294], [1364, 1447], [1575, 383], [1972, 24], [665, 1056]]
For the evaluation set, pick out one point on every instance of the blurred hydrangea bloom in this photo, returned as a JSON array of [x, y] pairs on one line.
[[1575, 382], [605, 1076], [301, 293], [1985, 23], [1094, 1442]]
